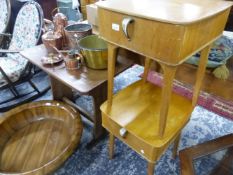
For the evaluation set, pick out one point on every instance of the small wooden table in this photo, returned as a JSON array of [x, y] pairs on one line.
[[145, 117], [84, 81]]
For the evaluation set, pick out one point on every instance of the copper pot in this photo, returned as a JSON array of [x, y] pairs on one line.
[[52, 39], [75, 32]]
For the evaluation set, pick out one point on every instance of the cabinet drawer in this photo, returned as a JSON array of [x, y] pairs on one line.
[[144, 149], [150, 38], [161, 41]]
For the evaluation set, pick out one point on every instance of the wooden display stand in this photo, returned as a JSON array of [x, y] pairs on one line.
[[146, 117]]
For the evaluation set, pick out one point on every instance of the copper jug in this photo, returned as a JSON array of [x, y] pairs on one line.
[[73, 60]]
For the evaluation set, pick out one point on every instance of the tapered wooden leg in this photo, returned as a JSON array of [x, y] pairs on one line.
[[111, 145], [150, 168], [146, 69], [112, 55], [169, 74], [157, 67], [200, 73], [176, 145]]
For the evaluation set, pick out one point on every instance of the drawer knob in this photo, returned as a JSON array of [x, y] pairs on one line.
[[123, 132], [125, 24]]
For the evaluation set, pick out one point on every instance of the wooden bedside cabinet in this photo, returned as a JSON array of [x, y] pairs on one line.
[[145, 117]]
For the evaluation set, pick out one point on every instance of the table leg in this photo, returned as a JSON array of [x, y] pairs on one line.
[[60, 90], [112, 56], [148, 62], [168, 77], [99, 95], [200, 73], [150, 168]]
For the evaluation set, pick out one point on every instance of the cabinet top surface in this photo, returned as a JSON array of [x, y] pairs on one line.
[[170, 11]]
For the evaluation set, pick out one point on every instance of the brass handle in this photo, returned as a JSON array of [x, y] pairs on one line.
[[125, 24]]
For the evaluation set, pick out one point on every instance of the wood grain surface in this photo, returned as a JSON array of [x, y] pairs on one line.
[[36, 138], [174, 12], [141, 119]]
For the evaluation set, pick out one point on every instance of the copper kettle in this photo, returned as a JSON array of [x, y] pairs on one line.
[[60, 21]]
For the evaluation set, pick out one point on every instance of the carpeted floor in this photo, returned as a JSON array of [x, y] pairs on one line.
[[204, 125]]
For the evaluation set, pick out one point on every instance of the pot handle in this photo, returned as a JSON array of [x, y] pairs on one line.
[[48, 25], [125, 24]]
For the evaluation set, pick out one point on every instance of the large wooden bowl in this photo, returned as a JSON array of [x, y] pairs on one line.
[[36, 138]]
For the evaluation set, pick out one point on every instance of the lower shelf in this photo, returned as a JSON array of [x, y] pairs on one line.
[[136, 109]]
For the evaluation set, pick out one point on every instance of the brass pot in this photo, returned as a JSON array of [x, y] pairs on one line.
[[50, 40], [95, 52], [75, 32]]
